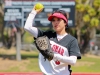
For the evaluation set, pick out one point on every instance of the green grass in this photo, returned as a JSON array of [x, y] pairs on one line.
[[87, 64], [33, 66], [29, 62], [28, 38]]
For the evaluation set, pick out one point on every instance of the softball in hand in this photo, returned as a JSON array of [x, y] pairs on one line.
[[39, 6]]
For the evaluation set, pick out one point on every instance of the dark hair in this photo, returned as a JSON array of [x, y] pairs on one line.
[[64, 13]]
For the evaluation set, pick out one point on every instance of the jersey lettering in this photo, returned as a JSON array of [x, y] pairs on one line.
[[58, 49]]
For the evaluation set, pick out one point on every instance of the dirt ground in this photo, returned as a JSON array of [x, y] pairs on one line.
[[9, 62], [5, 64]]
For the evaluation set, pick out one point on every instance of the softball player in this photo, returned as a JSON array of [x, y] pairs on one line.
[[64, 46]]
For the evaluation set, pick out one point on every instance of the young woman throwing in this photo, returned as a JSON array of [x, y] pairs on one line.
[[64, 46]]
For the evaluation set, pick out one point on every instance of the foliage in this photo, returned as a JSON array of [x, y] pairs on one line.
[[89, 11], [94, 22], [87, 20], [80, 7], [96, 3]]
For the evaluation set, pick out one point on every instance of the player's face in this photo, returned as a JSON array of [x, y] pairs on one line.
[[58, 24]]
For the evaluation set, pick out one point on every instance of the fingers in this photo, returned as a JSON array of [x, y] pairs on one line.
[[37, 10]]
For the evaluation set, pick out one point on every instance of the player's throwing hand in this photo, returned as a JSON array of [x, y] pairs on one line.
[[38, 7]]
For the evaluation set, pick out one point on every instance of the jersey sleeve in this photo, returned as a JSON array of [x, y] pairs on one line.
[[48, 33], [40, 32], [74, 49], [28, 24]]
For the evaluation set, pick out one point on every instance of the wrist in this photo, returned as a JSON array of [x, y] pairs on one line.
[[33, 12], [56, 56]]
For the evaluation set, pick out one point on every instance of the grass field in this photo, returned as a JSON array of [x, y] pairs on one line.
[[88, 63], [29, 62]]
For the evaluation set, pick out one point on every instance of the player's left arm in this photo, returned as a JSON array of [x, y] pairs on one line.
[[74, 54], [71, 60]]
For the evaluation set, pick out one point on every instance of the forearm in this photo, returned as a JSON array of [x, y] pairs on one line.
[[30, 19], [28, 25], [69, 60]]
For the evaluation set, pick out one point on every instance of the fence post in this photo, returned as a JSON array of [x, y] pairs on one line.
[[18, 45]]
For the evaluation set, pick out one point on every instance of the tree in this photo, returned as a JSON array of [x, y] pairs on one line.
[[1, 18], [87, 20]]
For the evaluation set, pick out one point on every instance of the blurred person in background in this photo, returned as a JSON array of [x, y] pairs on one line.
[[10, 36]]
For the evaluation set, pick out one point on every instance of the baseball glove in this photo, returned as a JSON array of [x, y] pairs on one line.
[[43, 45]]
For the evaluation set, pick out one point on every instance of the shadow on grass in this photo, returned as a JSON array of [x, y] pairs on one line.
[[13, 57]]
